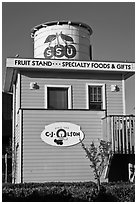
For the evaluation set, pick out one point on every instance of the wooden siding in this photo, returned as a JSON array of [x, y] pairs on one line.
[[45, 163], [36, 98]]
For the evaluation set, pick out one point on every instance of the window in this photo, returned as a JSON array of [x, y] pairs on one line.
[[58, 97], [96, 96]]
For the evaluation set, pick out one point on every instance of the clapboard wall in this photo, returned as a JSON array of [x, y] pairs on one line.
[[78, 81], [43, 162]]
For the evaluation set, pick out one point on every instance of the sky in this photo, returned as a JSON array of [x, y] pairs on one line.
[[113, 25]]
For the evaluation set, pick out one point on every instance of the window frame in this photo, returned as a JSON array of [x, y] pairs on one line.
[[103, 89], [59, 86]]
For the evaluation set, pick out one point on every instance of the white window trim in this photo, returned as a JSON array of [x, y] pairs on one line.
[[103, 94], [59, 86]]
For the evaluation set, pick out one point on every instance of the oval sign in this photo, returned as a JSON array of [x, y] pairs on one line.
[[62, 134]]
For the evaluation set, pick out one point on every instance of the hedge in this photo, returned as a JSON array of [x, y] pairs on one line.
[[122, 191], [68, 192]]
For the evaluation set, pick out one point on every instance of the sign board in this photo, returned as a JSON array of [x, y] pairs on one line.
[[70, 65], [62, 134], [59, 45]]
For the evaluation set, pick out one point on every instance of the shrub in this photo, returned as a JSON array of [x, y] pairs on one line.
[[122, 191], [99, 157], [69, 192], [50, 192]]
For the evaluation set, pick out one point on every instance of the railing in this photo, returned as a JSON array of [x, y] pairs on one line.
[[120, 131]]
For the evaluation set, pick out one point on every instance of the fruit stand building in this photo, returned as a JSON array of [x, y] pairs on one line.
[[61, 96]]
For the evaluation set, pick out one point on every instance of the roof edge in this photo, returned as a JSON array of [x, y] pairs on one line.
[[51, 23]]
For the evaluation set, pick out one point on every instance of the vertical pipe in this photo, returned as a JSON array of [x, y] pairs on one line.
[[6, 168]]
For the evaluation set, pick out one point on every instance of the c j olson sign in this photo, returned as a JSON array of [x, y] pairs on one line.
[[62, 134]]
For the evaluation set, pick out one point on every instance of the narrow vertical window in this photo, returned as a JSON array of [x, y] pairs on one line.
[[95, 97]]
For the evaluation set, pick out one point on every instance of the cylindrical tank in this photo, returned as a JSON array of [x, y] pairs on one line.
[[62, 40]]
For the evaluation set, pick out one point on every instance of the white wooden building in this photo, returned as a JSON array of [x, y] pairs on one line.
[[62, 95]]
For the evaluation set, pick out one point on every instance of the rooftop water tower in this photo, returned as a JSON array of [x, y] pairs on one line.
[[62, 40]]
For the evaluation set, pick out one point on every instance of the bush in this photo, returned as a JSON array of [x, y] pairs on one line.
[[68, 192], [99, 156], [35, 192], [122, 191]]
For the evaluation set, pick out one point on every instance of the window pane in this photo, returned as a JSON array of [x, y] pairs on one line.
[[95, 90], [99, 90], [91, 94], [91, 90], [99, 94], [95, 106], [95, 97], [57, 98], [99, 98]]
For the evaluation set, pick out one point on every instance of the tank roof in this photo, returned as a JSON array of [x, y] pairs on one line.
[[62, 22]]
